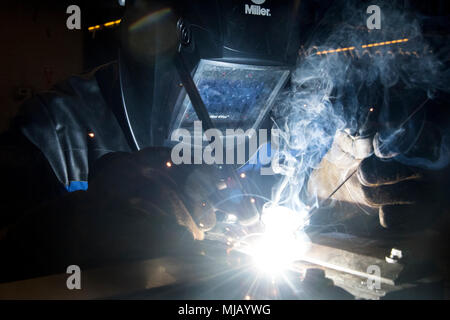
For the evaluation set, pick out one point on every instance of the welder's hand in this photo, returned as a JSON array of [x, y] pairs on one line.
[[343, 158], [151, 183], [404, 197]]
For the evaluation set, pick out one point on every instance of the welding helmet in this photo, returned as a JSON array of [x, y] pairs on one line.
[[181, 59]]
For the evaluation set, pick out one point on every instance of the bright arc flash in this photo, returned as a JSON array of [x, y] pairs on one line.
[[282, 241]]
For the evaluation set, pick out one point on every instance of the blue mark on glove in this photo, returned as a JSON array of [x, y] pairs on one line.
[[77, 185]]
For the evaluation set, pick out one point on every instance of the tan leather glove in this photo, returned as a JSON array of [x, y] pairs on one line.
[[344, 157], [404, 197]]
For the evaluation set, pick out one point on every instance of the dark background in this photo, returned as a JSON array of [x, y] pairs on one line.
[[38, 51]]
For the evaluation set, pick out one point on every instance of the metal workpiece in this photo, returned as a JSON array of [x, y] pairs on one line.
[[372, 269], [217, 271], [365, 275], [367, 268]]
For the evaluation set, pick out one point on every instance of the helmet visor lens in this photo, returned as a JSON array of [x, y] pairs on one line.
[[235, 95]]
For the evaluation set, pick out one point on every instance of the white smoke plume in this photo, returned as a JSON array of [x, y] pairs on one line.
[[331, 92]]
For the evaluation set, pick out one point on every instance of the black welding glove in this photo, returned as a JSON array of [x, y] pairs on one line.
[[150, 182], [404, 196], [137, 206]]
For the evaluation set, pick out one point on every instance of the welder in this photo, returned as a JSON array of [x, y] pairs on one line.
[[87, 171], [88, 177]]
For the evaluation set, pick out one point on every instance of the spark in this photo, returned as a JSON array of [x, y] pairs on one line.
[[370, 45], [336, 50], [106, 25]]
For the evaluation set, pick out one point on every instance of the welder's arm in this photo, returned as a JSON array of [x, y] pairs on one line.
[[404, 197], [135, 208]]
